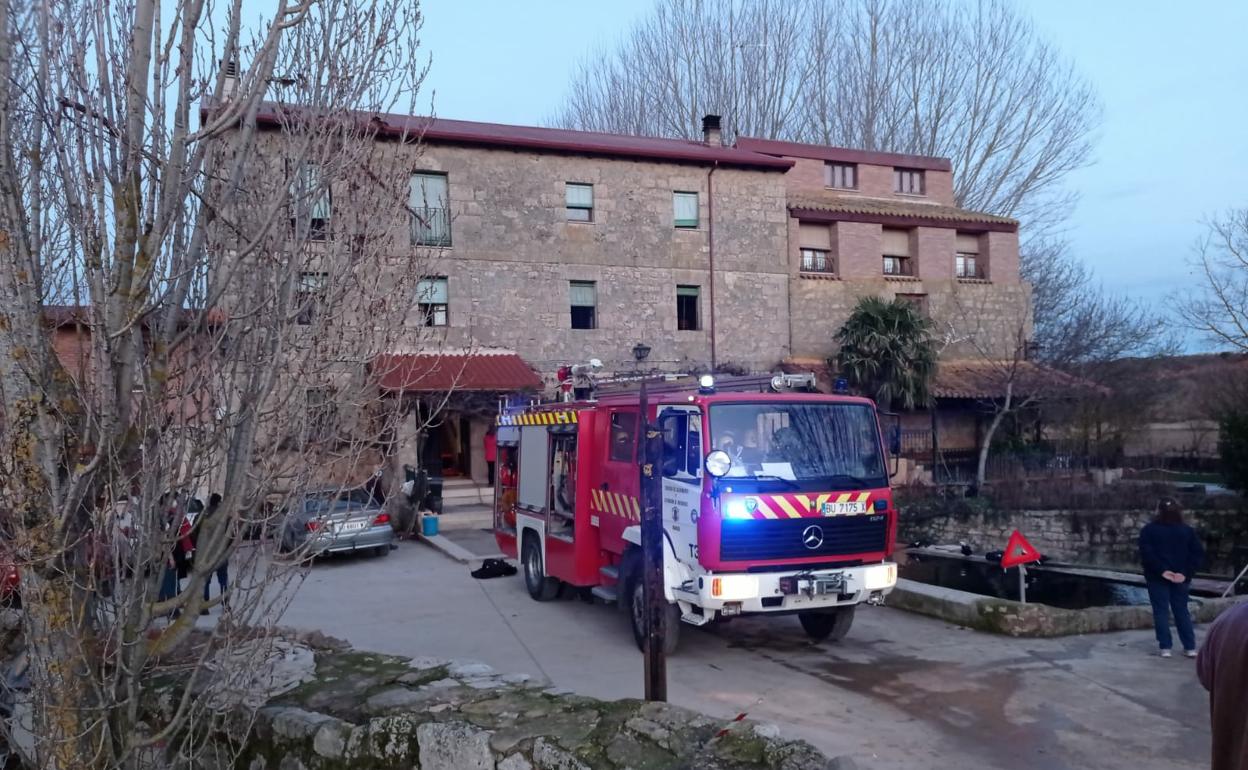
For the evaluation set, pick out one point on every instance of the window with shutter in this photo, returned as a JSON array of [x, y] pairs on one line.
[[309, 295], [967, 263], [897, 260], [429, 202], [687, 308], [584, 304], [432, 300], [310, 204], [685, 205], [842, 176], [579, 200], [816, 248], [908, 181]]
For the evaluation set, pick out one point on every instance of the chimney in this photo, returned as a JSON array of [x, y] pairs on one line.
[[229, 68], [711, 135]]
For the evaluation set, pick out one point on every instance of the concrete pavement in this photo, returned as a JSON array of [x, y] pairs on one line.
[[900, 691]]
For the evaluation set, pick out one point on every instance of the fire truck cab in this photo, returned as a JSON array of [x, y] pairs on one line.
[[773, 501]]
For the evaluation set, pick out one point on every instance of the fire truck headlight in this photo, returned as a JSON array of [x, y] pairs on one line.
[[735, 509], [734, 588], [879, 576], [718, 463]]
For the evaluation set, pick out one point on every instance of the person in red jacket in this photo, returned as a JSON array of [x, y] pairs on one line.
[[178, 562], [1222, 667], [491, 453]]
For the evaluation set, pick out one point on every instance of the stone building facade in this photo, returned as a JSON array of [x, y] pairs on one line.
[[558, 246]]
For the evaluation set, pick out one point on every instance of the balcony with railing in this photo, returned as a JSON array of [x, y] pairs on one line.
[[818, 263], [898, 267], [431, 227], [967, 267]]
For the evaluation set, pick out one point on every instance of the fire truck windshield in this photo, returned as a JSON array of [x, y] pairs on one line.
[[804, 443]]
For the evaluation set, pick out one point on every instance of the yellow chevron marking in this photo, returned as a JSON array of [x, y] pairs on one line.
[[617, 505], [823, 499], [804, 501], [843, 498], [862, 498], [636, 508], [595, 499], [787, 507]]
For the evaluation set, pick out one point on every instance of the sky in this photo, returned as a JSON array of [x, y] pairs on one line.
[[1172, 79]]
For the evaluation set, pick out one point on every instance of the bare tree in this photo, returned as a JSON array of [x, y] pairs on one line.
[[971, 80], [1005, 385], [233, 248], [1218, 309]]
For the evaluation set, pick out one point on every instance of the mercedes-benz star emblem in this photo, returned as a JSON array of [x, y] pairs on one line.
[[812, 537]]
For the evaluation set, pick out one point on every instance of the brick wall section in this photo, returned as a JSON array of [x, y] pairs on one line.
[[859, 250], [933, 248], [806, 176], [1002, 251], [939, 187]]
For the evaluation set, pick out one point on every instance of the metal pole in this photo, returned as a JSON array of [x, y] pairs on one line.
[[652, 554], [1022, 583]]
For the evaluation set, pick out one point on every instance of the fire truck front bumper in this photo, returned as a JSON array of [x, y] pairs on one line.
[[736, 593]]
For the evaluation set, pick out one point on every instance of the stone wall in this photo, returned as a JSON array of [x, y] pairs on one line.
[[1101, 538], [362, 710], [981, 319], [513, 253]]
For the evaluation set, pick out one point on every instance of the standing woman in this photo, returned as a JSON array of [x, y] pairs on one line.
[[1171, 553]]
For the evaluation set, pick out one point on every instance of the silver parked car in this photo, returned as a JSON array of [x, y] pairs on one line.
[[325, 523]]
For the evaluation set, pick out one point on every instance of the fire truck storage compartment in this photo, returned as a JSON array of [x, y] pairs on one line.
[[508, 438], [534, 470]]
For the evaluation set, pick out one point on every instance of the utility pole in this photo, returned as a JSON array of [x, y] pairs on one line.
[[652, 553]]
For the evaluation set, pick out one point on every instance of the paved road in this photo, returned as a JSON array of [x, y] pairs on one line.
[[902, 691]]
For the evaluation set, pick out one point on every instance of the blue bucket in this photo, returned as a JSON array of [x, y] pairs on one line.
[[429, 525]]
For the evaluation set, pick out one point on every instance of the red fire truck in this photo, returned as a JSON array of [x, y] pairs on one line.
[[773, 500]]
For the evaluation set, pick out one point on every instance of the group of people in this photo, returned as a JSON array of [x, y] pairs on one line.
[[1171, 552], [182, 555]]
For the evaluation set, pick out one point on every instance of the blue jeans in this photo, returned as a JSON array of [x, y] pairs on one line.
[[1167, 597], [223, 579]]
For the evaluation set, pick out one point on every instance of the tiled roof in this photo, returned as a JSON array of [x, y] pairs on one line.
[[974, 379], [482, 370], [562, 140], [842, 154], [864, 209]]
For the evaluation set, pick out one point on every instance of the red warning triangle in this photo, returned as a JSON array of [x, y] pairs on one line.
[[1018, 551]]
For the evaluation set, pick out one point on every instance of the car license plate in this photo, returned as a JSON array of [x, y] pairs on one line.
[[352, 526], [844, 509]]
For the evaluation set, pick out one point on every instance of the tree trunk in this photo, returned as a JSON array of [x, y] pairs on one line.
[[981, 470], [69, 733]]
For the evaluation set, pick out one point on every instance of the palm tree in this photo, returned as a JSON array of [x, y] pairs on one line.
[[887, 352]]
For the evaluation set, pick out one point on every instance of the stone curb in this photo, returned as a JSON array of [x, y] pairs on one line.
[[450, 549], [1003, 616]]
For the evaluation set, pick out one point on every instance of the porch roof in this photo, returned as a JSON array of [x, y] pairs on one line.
[[478, 370], [980, 379]]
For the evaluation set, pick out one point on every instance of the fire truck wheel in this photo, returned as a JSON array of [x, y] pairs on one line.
[[636, 614], [827, 624], [541, 588]]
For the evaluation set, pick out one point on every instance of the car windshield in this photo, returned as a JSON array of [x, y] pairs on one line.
[[800, 442]]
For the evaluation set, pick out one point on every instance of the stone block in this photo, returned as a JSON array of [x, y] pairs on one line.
[[454, 746]]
